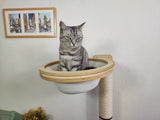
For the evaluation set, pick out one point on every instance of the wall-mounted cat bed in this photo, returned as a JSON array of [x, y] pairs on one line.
[[77, 81], [86, 80]]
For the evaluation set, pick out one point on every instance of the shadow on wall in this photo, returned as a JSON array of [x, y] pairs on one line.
[[92, 104], [126, 81], [106, 46]]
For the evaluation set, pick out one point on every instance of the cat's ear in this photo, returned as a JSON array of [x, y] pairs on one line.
[[62, 25], [81, 25]]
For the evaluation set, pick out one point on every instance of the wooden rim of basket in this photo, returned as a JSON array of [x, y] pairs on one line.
[[76, 79], [43, 70]]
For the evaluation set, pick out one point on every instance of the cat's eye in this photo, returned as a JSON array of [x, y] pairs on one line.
[[79, 39], [67, 37]]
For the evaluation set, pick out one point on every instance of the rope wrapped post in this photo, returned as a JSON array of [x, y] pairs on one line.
[[105, 98], [105, 93]]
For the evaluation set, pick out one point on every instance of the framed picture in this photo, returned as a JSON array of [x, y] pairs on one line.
[[30, 22]]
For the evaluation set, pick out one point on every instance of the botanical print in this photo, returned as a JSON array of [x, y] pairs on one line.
[[44, 22], [14, 23], [29, 22]]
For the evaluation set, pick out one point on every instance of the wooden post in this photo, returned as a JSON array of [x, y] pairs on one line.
[[105, 93], [105, 98]]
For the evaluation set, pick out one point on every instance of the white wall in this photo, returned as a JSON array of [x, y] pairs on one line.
[[127, 29]]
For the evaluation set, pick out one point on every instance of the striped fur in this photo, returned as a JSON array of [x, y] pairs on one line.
[[72, 54]]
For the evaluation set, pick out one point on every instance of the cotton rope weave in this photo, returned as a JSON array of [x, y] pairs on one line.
[[105, 98]]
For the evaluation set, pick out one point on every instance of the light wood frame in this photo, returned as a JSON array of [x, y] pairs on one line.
[[22, 23]]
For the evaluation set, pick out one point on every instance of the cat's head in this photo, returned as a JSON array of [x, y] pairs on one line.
[[71, 36]]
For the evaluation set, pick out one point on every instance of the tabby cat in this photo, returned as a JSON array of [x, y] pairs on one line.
[[72, 55]]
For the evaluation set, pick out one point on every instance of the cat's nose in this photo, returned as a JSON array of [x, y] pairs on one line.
[[74, 43]]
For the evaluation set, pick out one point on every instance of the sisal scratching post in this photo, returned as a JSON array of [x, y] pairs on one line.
[[105, 98], [105, 93]]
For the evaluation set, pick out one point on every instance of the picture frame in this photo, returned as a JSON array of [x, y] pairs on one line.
[[30, 22]]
